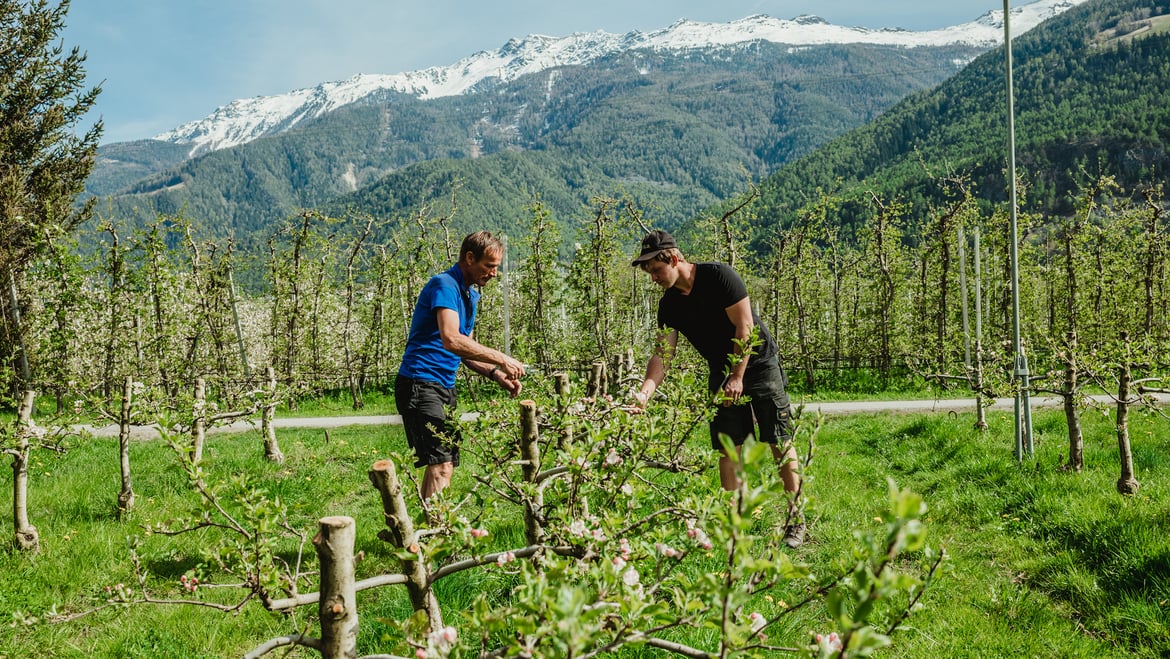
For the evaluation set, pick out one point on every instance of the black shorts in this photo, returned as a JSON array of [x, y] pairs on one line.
[[428, 412], [768, 407]]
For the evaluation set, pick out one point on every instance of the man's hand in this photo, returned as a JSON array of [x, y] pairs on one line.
[[512, 368], [732, 390], [506, 382], [639, 404], [513, 387]]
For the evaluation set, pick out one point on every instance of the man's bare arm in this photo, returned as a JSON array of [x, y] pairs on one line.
[[470, 349]]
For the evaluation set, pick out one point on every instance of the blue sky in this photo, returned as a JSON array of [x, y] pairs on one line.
[[162, 63]]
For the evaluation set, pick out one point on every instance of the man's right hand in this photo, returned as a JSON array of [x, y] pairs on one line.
[[513, 367], [639, 404]]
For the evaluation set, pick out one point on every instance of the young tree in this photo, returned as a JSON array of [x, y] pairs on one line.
[[883, 263], [26, 538], [598, 271], [540, 290], [43, 164]]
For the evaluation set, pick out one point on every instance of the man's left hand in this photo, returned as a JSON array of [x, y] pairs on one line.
[[512, 386], [732, 390]]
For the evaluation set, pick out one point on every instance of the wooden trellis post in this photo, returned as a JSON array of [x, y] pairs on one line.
[[199, 423], [530, 468], [563, 390], [338, 604], [400, 533]]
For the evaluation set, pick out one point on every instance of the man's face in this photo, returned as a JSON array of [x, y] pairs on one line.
[[485, 269], [665, 274]]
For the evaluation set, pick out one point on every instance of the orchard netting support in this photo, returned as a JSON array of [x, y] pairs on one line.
[[1023, 407]]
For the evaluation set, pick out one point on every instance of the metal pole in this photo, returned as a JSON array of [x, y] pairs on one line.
[[978, 294], [1023, 408], [506, 281], [963, 290]]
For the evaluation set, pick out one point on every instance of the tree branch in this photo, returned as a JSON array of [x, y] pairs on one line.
[[280, 641]]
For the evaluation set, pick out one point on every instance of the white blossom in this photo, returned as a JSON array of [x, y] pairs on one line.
[[631, 577]]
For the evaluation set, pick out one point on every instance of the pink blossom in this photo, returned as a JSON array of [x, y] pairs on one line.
[[443, 637], [578, 528], [479, 533], [667, 551], [699, 537], [191, 584], [758, 621], [619, 562], [612, 459], [624, 548], [505, 558], [831, 642]]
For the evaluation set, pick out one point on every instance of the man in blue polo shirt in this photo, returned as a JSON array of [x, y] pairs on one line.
[[439, 340]]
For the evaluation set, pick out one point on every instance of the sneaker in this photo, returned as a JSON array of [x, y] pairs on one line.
[[794, 535]]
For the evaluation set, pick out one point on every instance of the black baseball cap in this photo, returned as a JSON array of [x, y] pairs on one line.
[[653, 244]]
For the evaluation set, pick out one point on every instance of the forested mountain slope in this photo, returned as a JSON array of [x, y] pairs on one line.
[[1090, 98], [677, 131]]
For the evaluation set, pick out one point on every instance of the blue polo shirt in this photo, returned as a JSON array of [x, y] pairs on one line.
[[425, 357]]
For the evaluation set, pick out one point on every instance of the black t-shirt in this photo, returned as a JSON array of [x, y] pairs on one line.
[[701, 316]]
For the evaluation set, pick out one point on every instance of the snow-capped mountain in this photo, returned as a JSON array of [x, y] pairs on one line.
[[244, 120]]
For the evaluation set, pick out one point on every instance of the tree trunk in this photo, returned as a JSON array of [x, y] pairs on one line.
[[1126, 484], [337, 607], [596, 381], [27, 538], [21, 360], [563, 391], [199, 423], [807, 360], [272, 450], [112, 330], [401, 534], [231, 289], [161, 330], [126, 495], [529, 468], [1076, 440]]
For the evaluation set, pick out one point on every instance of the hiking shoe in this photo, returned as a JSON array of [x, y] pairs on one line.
[[794, 535]]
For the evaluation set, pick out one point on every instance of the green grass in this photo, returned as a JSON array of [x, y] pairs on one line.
[[1042, 563]]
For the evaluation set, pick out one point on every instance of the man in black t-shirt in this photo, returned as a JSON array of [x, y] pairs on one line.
[[708, 304]]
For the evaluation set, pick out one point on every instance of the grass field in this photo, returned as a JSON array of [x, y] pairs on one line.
[[1042, 563]]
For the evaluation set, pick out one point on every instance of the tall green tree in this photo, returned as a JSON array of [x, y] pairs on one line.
[[43, 163]]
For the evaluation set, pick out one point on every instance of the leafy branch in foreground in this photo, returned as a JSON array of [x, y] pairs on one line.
[[616, 552]]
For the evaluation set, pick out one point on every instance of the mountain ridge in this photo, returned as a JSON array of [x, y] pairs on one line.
[[244, 120]]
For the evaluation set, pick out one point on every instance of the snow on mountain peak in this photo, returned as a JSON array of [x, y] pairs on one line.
[[243, 120]]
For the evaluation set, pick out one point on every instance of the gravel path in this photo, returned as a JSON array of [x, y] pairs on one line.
[[828, 409]]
